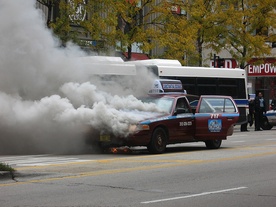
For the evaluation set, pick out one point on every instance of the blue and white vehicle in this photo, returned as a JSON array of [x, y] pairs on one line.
[[195, 80], [269, 120], [204, 80]]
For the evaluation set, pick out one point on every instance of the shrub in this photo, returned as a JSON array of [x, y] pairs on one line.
[[6, 167]]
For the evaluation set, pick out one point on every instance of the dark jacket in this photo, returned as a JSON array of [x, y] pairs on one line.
[[273, 104], [257, 106], [251, 106]]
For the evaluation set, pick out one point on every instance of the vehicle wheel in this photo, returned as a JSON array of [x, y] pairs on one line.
[[158, 141], [265, 124], [213, 144]]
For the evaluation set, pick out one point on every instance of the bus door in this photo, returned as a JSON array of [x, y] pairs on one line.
[[215, 117]]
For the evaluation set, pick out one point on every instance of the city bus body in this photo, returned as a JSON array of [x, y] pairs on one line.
[[204, 80], [196, 80]]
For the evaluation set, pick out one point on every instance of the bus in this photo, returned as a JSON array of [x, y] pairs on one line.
[[195, 80], [203, 80], [104, 66]]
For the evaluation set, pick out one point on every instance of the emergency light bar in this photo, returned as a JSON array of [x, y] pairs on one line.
[[167, 86]]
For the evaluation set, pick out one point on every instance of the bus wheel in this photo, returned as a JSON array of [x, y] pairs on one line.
[[158, 141], [213, 144], [265, 124]]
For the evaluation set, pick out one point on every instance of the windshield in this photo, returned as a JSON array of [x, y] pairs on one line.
[[163, 104]]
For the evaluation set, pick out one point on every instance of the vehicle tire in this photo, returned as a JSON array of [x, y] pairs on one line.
[[213, 144], [265, 124], [158, 141]]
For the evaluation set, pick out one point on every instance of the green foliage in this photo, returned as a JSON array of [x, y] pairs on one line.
[[207, 24], [6, 167], [247, 28], [61, 26], [173, 32]]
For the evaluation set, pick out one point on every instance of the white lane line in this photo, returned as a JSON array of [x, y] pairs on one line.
[[238, 141], [50, 162], [193, 195], [273, 139], [24, 161]]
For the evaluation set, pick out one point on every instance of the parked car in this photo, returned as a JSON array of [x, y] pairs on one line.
[[269, 120]]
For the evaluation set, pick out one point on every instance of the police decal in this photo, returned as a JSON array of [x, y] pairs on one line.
[[214, 125]]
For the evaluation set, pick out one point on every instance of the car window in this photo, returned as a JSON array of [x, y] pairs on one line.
[[182, 104], [217, 105], [194, 103], [229, 106], [206, 107]]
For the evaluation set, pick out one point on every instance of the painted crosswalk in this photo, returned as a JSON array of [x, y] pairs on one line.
[[38, 160]]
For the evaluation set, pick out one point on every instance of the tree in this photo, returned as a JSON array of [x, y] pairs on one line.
[[58, 18], [149, 24], [206, 17], [177, 28], [152, 24], [249, 25], [49, 4], [130, 28], [173, 32], [100, 24]]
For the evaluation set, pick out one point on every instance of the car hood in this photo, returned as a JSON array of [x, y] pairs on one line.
[[145, 116]]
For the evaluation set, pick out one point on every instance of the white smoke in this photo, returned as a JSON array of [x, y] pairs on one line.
[[47, 98]]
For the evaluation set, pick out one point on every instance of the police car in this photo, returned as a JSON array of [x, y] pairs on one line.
[[210, 120], [269, 120]]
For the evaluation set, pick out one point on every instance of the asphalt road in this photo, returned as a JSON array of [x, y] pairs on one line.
[[241, 173]]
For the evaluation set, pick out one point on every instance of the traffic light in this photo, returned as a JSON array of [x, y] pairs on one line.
[[218, 62]]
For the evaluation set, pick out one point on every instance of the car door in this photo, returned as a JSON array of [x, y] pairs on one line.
[[182, 125], [215, 117]]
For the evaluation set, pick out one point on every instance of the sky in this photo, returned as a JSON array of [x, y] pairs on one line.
[[49, 98]]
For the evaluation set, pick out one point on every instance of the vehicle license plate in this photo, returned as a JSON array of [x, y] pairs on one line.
[[105, 138]]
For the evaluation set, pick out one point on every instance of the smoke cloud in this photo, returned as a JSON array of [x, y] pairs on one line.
[[48, 96]]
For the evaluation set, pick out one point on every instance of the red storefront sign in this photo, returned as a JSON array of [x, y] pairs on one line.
[[227, 63], [176, 9], [262, 67]]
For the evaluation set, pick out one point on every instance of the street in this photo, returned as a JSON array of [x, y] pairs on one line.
[[240, 173], [72, 74]]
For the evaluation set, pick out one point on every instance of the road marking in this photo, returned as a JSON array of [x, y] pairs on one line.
[[133, 169], [38, 160], [23, 162], [271, 139], [193, 195]]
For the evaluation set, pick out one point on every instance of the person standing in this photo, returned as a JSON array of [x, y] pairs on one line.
[[259, 109], [273, 103], [251, 108], [250, 116]]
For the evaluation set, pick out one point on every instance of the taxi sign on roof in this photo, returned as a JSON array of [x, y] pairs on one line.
[[166, 86]]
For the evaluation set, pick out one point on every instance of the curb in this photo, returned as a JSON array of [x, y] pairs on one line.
[[6, 174]]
